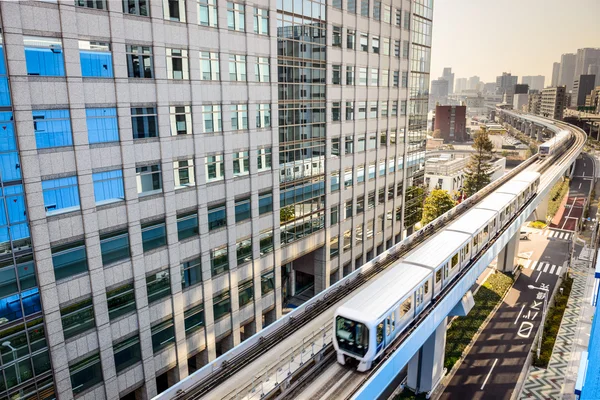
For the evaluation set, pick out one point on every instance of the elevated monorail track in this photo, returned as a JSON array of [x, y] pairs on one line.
[[295, 384]]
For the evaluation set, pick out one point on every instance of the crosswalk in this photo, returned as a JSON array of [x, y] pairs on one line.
[[542, 266], [562, 235]]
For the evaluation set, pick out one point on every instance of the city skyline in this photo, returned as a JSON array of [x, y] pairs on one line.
[[490, 53]]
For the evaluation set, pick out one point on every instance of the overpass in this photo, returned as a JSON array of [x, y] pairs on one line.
[[293, 357]]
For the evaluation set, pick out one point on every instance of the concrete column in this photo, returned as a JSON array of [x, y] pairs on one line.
[[507, 258], [539, 132], [541, 210], [426, 368], [322, 267]]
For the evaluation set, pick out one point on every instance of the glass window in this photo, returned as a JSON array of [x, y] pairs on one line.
[[97, 4], [266, 242], [385, 78], [351, 39], [193, 318], [120, 301], [60, 195], [267, 282], [139, 61], [187, 226], [243, 249], [241, 163], [364, 8], [349, 145], [239, 117], [127, 353], [261, 21], [217, 217], [336, 74], [108, 186], [264, 159], [405, 48], [384, 108], [348, 177], [352, 6], [163, 334], [149, 180], [396, 78], [144, 122], [158, 285], [235, 17], [86, 373], [373, 138], [177, 64], [69, 260], [350, 75], [374, 77], [237, 68], [136, 7], [387, 14], [209, 66], [360, 143], [265, 203], [398, 18], [263, 115], [334, 246], [114, 246], [377, 10], [95, 59], [207, 12], [385, 47], [347, 240], [102, 125], [219, 260], [77, 318], [52, 128], [362, 76], [174, 10], [375, 44], [242, 209], [211, 118], [191, 273], [335, 181], [348, 209], [403, 107], [335, 214], [336, 111], [337, 36], [396, 48], [44, 56], [394, 112], [262, 70], [404, 79], [406, 19], [245, 292], [373, 109], [362, 110], [154, 235], [221, 305], [364, 42], [181, 120], [337, 4], [184, 173]]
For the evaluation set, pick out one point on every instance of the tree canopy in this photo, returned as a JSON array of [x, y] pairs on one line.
[[479, 169], [437, 203]]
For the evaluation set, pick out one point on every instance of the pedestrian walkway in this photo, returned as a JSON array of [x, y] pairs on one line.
[[551, 233], [558, 380], [544, 267]]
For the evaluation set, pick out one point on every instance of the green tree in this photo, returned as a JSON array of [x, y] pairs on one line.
[[413, 211], [479, 168], [437, 203]]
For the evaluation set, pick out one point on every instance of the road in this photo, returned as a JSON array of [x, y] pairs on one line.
[[494, 363], [579, 188]]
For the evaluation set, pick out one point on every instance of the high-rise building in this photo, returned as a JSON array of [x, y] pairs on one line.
[[588, 63], [592, 101], [175, 171], [520, 100], [451, 122], [582, 87], [438, 93], [449, 76], [567, 71], [461, 85], [489, 88], [521, 88], [554, 101], [555, 74], [534, 103], [505, 83], [473, 83], [534, 82]]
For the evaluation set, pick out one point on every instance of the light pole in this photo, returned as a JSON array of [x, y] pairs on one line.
[[543, 315], [14, 354]]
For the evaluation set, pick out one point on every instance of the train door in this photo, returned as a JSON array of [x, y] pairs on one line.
[[419, 297], [437, 282], [446, 273], [390, 327], [465, 256]]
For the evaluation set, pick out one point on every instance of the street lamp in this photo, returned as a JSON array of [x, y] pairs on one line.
[[546, 290], [14, 354]]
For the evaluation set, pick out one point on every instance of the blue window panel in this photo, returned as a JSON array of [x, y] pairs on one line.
[[10, 167], [10, 307], [16, 204], [44, 61], [20, 232], [4, 92], [2, 66], [61, 195], [108, 186], [102, 125], [52, 128], [96, 64]]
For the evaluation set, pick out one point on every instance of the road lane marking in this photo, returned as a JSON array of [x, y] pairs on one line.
[[546, 233], [519, 316], [546, 267], [489, 373], [533, 265], [579, 186], [526, 265], [540, 266], [540, 274], [552, 269], [562, 235], [558, 271]]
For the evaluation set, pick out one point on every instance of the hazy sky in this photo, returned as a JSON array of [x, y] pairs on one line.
[[524, 37]]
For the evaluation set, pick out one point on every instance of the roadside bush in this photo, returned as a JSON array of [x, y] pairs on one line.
[[538, 224], [556, 195]]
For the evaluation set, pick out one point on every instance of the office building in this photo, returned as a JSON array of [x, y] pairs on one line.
[[505, 83], [175, 171], [449, 76], [554, 101], [460, 86], [534, 82], [521, 88], [567, 70], [489, 88], [592, 101], [520, 101], [473, 83], [438, 93], [582, 87], [588, 63], [534, 103], [555, 74], [451, 122], [447, 171]]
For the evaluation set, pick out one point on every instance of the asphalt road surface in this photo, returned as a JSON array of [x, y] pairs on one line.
[[579, 189], [494, 363]]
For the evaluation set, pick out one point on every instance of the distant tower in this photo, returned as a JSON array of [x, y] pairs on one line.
[[449, 76], [555, 74]]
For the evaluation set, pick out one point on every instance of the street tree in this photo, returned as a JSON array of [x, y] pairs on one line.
[[437, 203], [478, 171]]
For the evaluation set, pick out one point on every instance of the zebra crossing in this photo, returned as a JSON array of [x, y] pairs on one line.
[[542, 266], [561, 235]]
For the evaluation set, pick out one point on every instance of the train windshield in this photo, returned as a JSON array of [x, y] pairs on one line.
[[352, 336], [543, 150]]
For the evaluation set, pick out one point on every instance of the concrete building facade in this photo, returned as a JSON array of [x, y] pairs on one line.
[[448, 75], [554, 101], [582, 86], [447, 171], [567, 71], [451, 122], [534, 82], [555, 74], [175, 170]]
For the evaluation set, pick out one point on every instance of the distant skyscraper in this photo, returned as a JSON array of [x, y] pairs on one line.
[[505, 82], [582, 86], [438, 93], [449, 76], [489, 87], [461, 84], [555, 74], [587, 62], [567, 70], [521, 88], [473, 83], [534, 82]]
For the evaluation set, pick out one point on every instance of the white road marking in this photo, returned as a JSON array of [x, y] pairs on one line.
[[552, 268], [519, 316], [526, 265], [540, 274], [583, 173], [558, 270], [489, 373], [533, 265], [546, 267], [546, 233], [579, 186], [562, 234], [540, 266]]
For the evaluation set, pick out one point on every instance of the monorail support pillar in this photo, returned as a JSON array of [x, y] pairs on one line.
[[426, 368], [507, 258], [540, 132], [541, 211]]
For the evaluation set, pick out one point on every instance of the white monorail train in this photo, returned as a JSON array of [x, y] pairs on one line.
[[555, 144], [371, 320]]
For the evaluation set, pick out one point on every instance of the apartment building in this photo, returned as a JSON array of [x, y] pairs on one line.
[[175, 171], [553, 103]]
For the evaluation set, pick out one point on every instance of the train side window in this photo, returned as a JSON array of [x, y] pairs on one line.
[[467, 249], [405, 308], [426, 286], [388, 326], [438, 276], [379, 335], [475, 239], [454, 261]]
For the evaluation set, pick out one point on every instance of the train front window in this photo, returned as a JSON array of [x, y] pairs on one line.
[[352, 336]]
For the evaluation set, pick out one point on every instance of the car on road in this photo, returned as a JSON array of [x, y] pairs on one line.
[[524, 235]]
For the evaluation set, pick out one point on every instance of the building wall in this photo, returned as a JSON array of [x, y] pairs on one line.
[[553, 103], [451, 121]]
